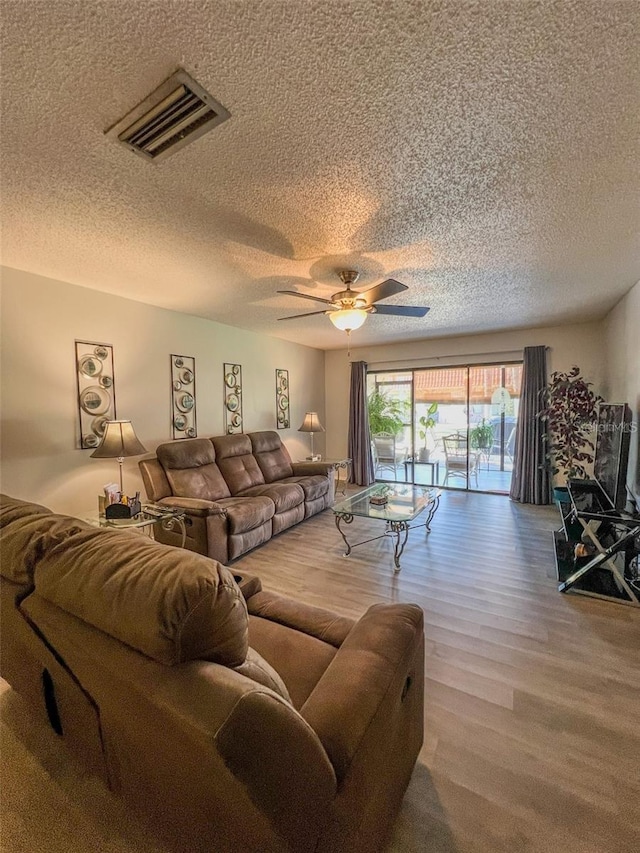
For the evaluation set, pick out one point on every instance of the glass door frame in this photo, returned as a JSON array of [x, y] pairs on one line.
[[468, 367]]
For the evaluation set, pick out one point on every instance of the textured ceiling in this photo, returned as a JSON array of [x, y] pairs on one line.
[[484, 153]]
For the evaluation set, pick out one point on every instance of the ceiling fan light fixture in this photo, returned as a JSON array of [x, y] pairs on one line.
[[348, 319]]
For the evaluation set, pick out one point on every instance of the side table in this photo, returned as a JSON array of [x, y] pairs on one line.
[[434, 466], [151, 514], [339, 465]]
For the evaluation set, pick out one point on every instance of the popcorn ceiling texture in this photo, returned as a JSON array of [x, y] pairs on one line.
[[484, 153]]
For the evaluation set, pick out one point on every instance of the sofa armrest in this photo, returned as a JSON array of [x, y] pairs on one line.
[[371, 684], [309, 469], [194, 506], [314, 621], [249, 585]]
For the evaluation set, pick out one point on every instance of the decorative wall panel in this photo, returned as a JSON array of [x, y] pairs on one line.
[[183, 396], [96, 391], [233, 399], [282, 399]]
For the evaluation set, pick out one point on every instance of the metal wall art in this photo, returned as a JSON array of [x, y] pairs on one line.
[[282, 399], [96, 391], [233, 398], [183, 396]]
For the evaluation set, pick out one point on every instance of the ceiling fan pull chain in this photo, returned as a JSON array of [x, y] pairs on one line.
[[348, 343]]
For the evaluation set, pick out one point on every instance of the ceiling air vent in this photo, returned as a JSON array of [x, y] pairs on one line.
[[177, 113]]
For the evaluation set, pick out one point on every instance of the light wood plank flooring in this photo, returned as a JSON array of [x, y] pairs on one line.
[[532, 712], [532, 720]]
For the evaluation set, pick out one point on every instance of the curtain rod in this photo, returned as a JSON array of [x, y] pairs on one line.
[[463, 356]]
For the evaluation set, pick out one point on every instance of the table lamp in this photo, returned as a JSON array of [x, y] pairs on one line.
[[311, 424], [119, 440]]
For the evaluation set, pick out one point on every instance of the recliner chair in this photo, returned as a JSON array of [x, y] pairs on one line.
[[234, 718]]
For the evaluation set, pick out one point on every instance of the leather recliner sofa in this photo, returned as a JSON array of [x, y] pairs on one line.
[[237, 490], [233, 718]]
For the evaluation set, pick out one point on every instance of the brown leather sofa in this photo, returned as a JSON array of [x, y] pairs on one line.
[[232, 718], [237, 490]]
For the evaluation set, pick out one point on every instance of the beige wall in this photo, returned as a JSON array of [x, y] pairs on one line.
[[41, 319], [580, 344], [622, 346]]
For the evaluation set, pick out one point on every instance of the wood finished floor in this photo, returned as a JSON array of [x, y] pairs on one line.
[[532, 712]]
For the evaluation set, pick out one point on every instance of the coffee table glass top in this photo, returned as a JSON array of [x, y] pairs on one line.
[[404, 502]]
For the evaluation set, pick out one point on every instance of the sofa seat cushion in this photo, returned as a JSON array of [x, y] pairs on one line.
[[271, 455], [285, 496], [170, 604], [244, 514], [191, 469], [300, 659], [313, 487]]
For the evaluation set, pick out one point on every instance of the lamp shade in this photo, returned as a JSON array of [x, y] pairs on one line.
[[348, 319], [311, 423], [119, 440]]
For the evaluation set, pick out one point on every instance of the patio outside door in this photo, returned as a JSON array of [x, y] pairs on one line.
[[459, 426]]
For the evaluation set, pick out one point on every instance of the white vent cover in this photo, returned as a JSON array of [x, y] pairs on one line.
[[175, 114]]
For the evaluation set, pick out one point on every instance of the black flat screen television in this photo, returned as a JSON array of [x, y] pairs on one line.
[[613, 434]]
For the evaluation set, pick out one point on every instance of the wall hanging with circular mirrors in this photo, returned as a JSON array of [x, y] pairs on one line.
[[96, 391], [183, 396], [282, 399], [232, 398]]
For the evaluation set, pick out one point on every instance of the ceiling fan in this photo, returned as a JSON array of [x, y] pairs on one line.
[[348, 309]]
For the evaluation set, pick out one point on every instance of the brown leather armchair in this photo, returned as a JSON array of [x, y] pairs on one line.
[[234, 718]]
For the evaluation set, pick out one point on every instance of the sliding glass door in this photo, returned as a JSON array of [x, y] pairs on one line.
[[494, 400], [453, 427]]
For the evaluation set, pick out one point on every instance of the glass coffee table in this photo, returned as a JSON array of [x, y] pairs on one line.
[[404, 504]]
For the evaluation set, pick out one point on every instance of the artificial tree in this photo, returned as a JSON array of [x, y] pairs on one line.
[[385, 413], [570, 414]]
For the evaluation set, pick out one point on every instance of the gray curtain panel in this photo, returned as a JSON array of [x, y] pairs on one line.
[[359, 436], [530, 480]]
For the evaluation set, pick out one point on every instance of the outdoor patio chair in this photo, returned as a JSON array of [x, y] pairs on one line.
[[456, 452], [387, 454]]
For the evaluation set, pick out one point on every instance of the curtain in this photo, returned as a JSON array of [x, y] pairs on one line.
[[359, 437], [530, 480]]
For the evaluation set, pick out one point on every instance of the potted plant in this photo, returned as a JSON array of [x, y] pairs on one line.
[[481, 436], [569, 413], [427, 423], [385, 413]]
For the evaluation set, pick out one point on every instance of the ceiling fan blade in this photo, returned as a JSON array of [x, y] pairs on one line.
[[296, 316], [305, 296], [386, 288], [401, 310]]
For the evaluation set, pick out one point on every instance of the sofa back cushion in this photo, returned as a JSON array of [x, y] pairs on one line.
[[237, 463], [271, 455], [170, 604], [26, 530], [191, 469]]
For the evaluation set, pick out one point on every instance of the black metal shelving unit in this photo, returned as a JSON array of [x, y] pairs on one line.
[[612, 571]]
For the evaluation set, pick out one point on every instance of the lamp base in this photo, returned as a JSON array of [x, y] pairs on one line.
[[316, 458]]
